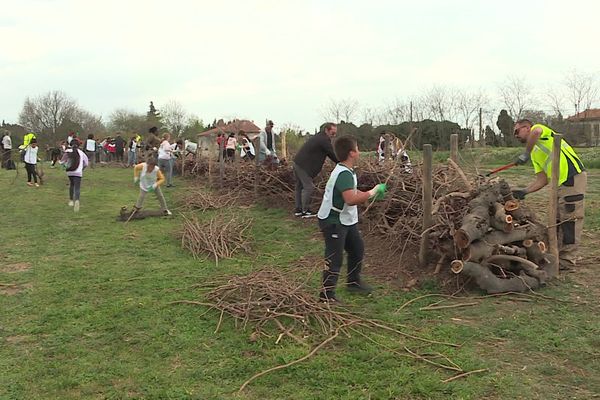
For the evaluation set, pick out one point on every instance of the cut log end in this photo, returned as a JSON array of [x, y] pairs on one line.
[[511, 205], [527, 243], [456, 266]]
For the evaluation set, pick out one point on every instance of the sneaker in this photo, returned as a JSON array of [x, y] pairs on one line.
[[298, 212], [29, 184], [70, 203], [308, 214], [76, 206], [167, 212], [37, 184], [359, 287]]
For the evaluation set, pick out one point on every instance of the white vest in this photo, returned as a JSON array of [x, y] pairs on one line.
[[147, 179], [348, 214]]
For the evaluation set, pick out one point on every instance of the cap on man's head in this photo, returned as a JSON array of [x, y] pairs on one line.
[[270, 123]]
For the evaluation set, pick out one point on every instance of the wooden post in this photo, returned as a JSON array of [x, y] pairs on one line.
[[283, 145], [427, 202], [221, 161], [481, 138], [553, 205], [257, 166], [454, 147]]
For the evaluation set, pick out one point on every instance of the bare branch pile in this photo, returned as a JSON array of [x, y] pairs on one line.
[[268, 301], [198, 198], [220, 237]]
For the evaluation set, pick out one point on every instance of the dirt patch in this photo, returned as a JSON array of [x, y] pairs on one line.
[[12, 289], [16, 268], [18, 339]]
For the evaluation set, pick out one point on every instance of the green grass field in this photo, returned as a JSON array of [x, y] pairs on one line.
[[85, 313]]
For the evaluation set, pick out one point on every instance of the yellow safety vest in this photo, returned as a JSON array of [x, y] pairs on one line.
[[541, 156], [27, 140]]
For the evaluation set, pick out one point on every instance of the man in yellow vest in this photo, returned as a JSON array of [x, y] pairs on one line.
[[572, 183]]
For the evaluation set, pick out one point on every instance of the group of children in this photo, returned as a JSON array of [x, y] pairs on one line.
[[230, 144], [74, 160]]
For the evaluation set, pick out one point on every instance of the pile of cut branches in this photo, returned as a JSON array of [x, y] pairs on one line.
[[268, 301], [220, 237], [198, 198]]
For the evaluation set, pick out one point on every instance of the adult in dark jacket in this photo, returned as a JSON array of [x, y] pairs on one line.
[[119, 147], [308, 164]]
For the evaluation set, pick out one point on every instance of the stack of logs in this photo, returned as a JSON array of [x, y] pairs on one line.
[[500, 243]]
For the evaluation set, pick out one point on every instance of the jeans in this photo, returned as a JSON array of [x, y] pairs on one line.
[[337, 239], [167, 168], [75, 187], [304, 188], [131, 158]]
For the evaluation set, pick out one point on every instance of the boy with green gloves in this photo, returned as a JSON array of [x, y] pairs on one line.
[[338, 220]]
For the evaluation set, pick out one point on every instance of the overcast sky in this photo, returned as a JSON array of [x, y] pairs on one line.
[[282, 60]]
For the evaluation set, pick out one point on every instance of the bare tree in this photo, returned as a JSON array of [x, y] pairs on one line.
[[371, 116], [128, 121], [582, 89], [340, 110], [468, 104], [174, 117], [556, 100], [441, 103], [516, 95], [89, 122], [396, 112], [47, 112]]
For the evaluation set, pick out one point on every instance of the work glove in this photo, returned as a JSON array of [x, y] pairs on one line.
[[519, 194], [378, 192], [522, 159]]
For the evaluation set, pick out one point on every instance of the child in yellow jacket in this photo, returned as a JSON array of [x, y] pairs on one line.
[[150, 178]]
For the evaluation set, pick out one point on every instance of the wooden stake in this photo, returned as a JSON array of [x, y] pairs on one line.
[[222, 161], [454, 147], [284, 145], [553, 205], [427, 202], [257, 165]]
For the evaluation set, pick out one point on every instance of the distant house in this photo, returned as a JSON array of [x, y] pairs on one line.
[[207, 142], [587, 124]]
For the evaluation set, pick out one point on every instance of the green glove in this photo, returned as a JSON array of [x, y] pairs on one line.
[[379, 191], [151, 188]]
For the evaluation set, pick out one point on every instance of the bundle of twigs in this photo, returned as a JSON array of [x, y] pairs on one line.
[[220, 237], [198, 198], [268, 300]]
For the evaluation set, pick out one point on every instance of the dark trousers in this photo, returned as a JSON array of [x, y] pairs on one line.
[[337, 239], [5, 157], [304, 188], [30, 168], [230, 154], [75, 187], [119, 155]]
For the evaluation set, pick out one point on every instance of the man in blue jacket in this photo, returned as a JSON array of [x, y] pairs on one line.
[[308, 164]]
